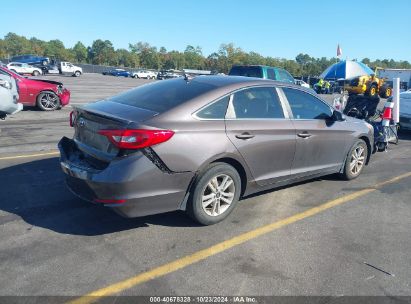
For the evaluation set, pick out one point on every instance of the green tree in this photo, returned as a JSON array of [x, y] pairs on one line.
[[193, 57], [102, 52], [127, 59], [16, 44], [148, 55], [80, 52], [37, 46], [55, 49], [3, 51]]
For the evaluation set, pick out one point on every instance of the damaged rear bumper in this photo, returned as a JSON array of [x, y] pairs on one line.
[[145, 187]]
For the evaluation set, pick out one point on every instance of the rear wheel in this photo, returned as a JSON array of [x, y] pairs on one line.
[[44, 62], [48, 101], [385, 92], [355, 161], [35, 73], [215, 194]]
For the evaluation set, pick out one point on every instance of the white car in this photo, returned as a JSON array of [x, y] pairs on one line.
[[302, 83], [24, 68], [405, 110], [8, 104], [144, 74]]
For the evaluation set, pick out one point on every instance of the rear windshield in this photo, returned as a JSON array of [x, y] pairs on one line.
[[248, 71], [163, 95]]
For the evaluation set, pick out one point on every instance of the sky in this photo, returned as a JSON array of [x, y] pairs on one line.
[[363, 28]]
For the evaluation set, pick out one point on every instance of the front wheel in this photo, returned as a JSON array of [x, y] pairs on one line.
[[36, 73], [355, 161], [48, 101], [372, 91], [77, 73], [215, 194]]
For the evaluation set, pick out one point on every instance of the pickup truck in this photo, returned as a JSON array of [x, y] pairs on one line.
[[62, 67], [69, 68]]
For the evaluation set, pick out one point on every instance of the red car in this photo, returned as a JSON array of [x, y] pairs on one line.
[[46, 94]]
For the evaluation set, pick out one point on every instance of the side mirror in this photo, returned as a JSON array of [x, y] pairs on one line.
[[337, 116]]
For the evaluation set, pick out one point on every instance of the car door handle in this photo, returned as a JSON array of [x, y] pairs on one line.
[[304, 134], [245, 135]]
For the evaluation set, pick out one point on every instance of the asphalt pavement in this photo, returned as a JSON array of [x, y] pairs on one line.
[[324, 237]]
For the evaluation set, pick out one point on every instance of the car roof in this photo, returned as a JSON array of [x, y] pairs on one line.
[[241, 81], [257, 65]]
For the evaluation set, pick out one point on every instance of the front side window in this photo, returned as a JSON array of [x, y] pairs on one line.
[[260, 102], [306, 106], [216, 110]]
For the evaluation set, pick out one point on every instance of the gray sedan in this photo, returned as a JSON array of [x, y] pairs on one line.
[[200, 145]]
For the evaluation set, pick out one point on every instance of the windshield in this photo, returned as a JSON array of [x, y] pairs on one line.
[[162, 96], [248, 71]]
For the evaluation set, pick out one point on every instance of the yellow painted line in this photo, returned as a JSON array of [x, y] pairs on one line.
[[223, 246], [29, 155]]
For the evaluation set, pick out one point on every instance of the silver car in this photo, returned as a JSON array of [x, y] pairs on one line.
[[200, 145]]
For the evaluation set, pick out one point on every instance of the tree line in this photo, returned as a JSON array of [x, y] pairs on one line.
[[142, 54]]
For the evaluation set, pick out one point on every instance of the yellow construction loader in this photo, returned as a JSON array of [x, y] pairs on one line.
[[369, 85]]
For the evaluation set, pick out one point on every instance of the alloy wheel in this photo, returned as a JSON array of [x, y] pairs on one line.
[[49, 101], [357, 160], [218, 195]]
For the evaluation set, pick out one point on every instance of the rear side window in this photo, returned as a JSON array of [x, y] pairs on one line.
[[306, 106], [284, 76], [257, 103], [216, 110], [163, 95], [248, 71]]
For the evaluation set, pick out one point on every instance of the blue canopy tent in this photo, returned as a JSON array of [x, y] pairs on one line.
[[346, 69]]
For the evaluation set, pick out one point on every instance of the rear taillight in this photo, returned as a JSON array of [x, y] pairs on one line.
[[109, 201], [72, 118], [136, 139]]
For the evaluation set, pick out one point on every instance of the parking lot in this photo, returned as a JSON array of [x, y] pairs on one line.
[[323, 237]]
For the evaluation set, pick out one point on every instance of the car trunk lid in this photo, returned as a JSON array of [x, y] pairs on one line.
[[92, 118]]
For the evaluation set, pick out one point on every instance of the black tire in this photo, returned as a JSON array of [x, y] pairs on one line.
[[52, 98], [385, 92], [44, 62], [348, 173], [77, 73], [200, 187], [372, 91], [35, 73]]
